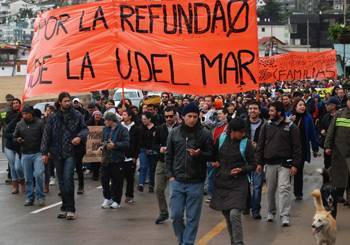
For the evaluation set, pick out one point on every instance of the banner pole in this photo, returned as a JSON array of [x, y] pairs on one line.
[[123, 93], [257, 95]]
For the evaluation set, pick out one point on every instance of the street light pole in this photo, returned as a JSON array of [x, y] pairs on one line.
[[307, 24], [344, 71]]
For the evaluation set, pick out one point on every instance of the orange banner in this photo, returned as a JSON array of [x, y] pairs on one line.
[[193, 47], [298, 65]]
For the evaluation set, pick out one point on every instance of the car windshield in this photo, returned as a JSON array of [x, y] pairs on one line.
[[119, 96]]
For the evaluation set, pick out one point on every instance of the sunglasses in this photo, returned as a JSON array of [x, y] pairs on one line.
[[164, 96], [170, 116]]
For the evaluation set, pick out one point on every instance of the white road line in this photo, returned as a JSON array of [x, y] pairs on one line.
[[43, 209], [100, 187]]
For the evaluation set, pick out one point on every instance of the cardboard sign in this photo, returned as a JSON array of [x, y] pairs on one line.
[[298, 65], [92, 144], [191, 47]]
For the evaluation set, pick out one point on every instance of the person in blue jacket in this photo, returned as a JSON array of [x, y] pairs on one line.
[[303, 120]]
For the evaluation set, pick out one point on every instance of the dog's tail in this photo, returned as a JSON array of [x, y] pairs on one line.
[[325, 174], [318, 200]]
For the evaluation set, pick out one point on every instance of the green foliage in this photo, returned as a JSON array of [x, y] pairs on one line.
[[337, 29], [270, 11], [24, 12]]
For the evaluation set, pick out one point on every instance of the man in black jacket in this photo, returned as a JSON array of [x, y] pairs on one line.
[[132, 153], [309, 101], [12, 113], [189, 147], [28, 134], [159, 145], [342, 97], [332, 106], [254, 122], [79, 163]]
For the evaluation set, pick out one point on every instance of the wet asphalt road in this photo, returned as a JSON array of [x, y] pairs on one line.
[[134, 223]]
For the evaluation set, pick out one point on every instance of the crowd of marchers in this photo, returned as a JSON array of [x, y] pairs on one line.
[[222, 146]]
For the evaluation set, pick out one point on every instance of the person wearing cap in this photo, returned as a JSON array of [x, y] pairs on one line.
[[64, 131], [115, 142], [3, 125], [337, 145], [79, 164], [189, 147], [28, 133], [78, 107], [332, 106], [309, 101]]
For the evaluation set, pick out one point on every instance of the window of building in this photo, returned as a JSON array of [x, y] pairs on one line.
[[293, 28], [286, 34], [336, 1], [295, 41], [263, 29]]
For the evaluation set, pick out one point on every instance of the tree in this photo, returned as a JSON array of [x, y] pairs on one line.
[[270, 11], [24, 12]]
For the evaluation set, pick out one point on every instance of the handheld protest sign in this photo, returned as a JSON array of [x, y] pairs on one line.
[[195, 47]]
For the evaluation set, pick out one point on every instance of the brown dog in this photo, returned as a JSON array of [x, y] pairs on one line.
[[324, 225]]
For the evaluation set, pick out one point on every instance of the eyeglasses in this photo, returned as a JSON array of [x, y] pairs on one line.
[[170, 116], [144, 119], [164, 96]]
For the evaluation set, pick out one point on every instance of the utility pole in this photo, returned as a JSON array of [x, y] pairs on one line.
[[307, 25], [344, 61]]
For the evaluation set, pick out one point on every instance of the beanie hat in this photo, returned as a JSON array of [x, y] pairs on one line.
[[191, 107], [28, 108], [110, 116]]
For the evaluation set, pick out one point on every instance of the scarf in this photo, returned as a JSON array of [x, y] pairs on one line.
[[222, 123]]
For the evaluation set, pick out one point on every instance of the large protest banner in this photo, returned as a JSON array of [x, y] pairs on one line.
[[298, 65], [195, 47], [92, 144]]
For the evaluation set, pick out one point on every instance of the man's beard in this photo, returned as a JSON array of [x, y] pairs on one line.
[[275, 118], [64, 109]]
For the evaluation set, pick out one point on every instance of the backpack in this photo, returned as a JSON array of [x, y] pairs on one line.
[[242, 148]]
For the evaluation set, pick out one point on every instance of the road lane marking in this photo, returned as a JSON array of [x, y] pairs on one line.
[[100, 187], [217, 229], [43, 209]]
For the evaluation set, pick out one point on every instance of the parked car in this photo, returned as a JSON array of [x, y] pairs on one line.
[[134, 95], [41, 106]]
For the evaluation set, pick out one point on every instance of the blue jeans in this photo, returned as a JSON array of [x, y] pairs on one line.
[[147, 162], [65, 175], [211, 177], [33, 167], [15, 164], [189, 196], [258, 181]]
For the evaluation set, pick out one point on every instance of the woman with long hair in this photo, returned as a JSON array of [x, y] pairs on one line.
[[12, 152], [148, 156], [96, 120], [231, 176], [303, 120]]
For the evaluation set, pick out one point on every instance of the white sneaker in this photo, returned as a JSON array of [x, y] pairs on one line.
[[52, 181], [106, 203], [270, 218], [115, 205], [87, 171], [285, 222]]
